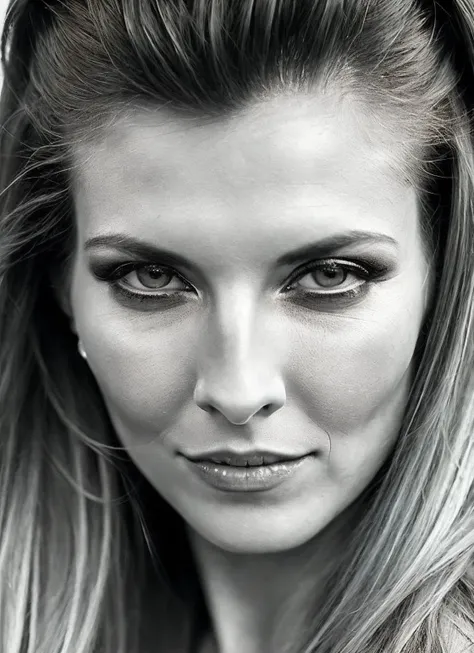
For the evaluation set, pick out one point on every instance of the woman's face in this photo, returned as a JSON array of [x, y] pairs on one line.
[[205, 333]]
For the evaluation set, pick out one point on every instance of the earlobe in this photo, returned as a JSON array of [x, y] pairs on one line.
[[81, 350]]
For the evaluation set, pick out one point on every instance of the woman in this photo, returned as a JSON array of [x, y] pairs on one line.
[[236, 342]]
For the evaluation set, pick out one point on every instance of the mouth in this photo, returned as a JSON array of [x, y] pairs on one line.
[[253, 471], [249, 459]]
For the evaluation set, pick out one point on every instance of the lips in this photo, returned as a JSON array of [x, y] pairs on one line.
[[250, 472], [251, 459]]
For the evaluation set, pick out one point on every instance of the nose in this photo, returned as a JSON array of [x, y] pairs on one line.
[[239, 365], [240, 396]]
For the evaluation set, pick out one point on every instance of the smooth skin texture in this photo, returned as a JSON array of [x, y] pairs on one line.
[[237, 361]]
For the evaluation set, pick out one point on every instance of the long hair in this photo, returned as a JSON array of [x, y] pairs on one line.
[[74, 533]]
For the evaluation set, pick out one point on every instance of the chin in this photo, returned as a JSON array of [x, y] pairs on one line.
[[256, 545], [260, 535]]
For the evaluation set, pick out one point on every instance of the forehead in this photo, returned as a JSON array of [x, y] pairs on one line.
[[293, 130], [317, 158]]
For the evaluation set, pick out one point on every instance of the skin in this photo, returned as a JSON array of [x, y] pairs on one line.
[[238, 362]]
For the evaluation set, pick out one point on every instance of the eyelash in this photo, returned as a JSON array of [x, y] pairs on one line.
[[369, 272]]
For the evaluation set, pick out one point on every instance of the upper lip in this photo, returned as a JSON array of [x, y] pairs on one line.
[[248, 459]]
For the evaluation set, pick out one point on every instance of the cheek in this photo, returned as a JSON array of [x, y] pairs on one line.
[[355, 384], [145, 371], [142, 362], [352, 372]]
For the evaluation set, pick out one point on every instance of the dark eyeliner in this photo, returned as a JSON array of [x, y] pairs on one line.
[[369, 271], [111, 271]]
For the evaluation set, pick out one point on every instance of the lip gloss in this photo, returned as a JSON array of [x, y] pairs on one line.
[[246, 479]]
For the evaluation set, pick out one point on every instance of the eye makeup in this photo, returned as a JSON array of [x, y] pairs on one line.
[[114, 273], [362, 272]]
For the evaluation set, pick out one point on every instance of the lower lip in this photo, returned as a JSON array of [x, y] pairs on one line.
[[247, 479]]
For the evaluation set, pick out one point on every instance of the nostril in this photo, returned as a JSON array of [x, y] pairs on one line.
[[208, 408]]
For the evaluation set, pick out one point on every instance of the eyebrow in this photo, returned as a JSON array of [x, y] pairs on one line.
[[320, 248]]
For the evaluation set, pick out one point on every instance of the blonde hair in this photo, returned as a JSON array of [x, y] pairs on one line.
[[76, 538]]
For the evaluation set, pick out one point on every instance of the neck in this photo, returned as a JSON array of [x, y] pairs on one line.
[[256, 601]]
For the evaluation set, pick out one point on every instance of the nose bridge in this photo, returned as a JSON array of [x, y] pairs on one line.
[[239, 367]]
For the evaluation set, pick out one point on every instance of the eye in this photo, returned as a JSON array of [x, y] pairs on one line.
[[145, 278], [329, 282], [331, 277]]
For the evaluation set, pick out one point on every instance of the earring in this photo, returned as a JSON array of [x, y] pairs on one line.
[[82, 351]]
